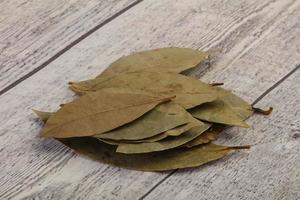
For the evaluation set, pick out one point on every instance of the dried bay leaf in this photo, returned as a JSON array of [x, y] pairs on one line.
[[140, 113], [160, 119], [98, 112], [155, 161], [228, 109], [186, 90], [237, 104], [189, 92], [208, 136], [181, 129], [150, 139], [218, 112], [171, 59], [44, 116], [161, 145], [172, 132]]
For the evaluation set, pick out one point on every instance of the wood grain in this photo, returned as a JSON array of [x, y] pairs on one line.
[[259, 43], [269, 170], [32, 32]]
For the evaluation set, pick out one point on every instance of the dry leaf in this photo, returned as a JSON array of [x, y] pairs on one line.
[[218, 112], [206, 137], [172, 132], [160, 119], [98, 112], [44, 116], [126, 117], [150, 139], [156, 161], [189, 92], [242, 108], [173, 60], [228, 109], [161, 145]]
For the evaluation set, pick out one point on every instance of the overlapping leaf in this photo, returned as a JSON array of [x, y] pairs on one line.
[[156, 161], [189, 92], [208, 136], [97, 113], [218, 112], [228, 109], [162, 118], [161, 145], [165, 59], [192, 122], [140, 113]]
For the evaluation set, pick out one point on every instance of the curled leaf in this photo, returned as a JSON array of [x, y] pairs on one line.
[[261, 111]]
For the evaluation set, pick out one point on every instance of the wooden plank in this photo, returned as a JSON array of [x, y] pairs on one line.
[[32, 32], [269, 170], [40, 168]]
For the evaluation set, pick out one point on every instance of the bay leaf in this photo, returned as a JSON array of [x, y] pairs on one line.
[[98, 112], [155, 161], [181, 129], [208, 136], [161, 145], [44, 116], [218, 112], [228, 109], [172, 132], [162, 118], [242, 108], [189, 92], [150, 139], [170, 59], [185, 89]]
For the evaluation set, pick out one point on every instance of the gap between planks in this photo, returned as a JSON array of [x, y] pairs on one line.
[[72, 44], [275, 85]]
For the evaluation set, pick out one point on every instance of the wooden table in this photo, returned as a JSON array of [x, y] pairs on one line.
[[46, 43]]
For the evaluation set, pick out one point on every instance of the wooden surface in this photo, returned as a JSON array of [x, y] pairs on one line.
[[259, 60], [34, 32]]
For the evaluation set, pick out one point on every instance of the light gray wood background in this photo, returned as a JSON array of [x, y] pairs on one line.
[[45, 44]]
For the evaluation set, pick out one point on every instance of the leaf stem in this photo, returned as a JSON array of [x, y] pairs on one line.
[[261, 111]]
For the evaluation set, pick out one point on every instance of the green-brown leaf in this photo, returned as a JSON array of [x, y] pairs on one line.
[[208, 136], [218, 112], [98, 112], [172, 132], [161, 145], [156, 161], [189, 92], [44, 116], [160, 119], [173, 60]]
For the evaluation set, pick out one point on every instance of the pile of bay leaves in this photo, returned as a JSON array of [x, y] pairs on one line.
[[142, 114]]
